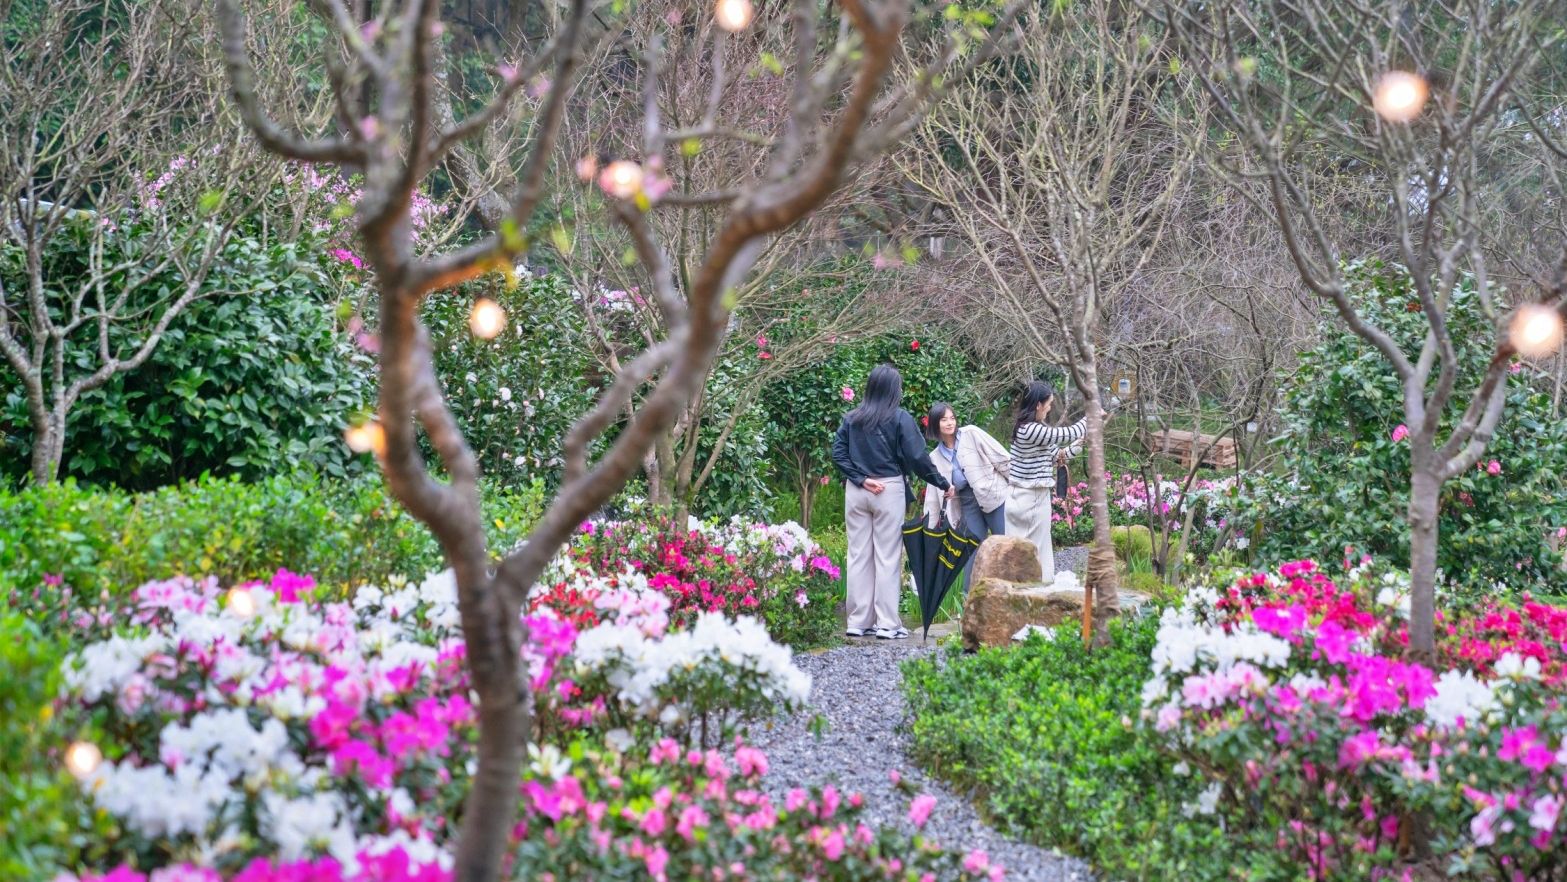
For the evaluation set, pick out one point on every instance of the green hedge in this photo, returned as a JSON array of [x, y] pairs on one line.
[[1042, 735], [342, 532], [45, 825]]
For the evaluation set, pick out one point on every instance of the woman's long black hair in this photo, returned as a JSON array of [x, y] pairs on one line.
[[1036, 394], [883, 396]]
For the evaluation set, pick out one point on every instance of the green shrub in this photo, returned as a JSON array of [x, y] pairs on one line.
[[45, 826], [1041, 734], [342, 532], [1345, 480], [1133, 545], [254, 375]]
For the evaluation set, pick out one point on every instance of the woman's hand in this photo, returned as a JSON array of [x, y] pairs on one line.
[[874, 486], [951, 491]]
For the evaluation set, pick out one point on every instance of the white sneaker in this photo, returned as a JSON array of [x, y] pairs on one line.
[[886, 634], [854, 632]]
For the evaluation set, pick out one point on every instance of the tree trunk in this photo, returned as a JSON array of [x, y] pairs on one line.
[[494, 659], [1425, 487], [1102, 581], [48, 447], [1101, 598]]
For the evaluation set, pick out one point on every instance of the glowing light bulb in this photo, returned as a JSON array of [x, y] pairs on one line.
[[365, 437], [1536, 330], [241, 603], [1399, 96], [734, 15], [487, 319], [621, 179], [82, 759]]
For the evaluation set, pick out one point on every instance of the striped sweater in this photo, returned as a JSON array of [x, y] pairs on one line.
[[1034, 449]]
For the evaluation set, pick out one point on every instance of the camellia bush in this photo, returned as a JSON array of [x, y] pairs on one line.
[[263, 734], [1335, 758], [804, 408], [254, 374], [1345, 463], [515, 395]]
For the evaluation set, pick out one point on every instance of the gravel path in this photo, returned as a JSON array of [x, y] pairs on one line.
[[857, 689]]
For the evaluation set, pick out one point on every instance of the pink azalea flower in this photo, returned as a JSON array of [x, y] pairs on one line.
[[919, 811]]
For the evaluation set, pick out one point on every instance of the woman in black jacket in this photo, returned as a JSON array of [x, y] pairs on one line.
[[877, 445]]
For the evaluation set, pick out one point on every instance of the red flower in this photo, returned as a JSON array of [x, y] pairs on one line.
[[915, 345], [924, 420], [764, 355]]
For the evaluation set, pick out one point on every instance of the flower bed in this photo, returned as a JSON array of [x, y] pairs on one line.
[[267, 733], [774, 571], [1136, 500], [1338, 757]]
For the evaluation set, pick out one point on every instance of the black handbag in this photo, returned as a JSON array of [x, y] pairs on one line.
[[1063, 481]]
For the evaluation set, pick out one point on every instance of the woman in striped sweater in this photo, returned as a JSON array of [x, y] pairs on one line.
[[1036, 450]]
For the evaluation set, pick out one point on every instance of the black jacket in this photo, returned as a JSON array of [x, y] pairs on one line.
[[893, 448]]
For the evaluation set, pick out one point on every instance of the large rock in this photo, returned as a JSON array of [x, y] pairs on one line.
[[996, 610], [1008, 558]]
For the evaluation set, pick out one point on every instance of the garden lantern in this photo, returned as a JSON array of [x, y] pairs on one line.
[[365, 437], [82, 758], [621, 179], [241, 603], [734, 15], [1536, 330], [1399, 96], [487, 319]]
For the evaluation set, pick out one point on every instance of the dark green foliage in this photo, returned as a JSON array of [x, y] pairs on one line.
[[1345, 481], [1043, 736], [515, 396], [251, 379]]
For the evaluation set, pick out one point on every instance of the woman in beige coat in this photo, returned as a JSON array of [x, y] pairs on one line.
[[976, 465]]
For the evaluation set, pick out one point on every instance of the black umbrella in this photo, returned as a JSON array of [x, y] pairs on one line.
[[936, 556]]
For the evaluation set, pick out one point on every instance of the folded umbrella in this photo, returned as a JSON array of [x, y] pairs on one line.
[[936, 557]]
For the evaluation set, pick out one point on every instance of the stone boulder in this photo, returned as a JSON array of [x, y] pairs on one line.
[[996, 611], [1008, 558]]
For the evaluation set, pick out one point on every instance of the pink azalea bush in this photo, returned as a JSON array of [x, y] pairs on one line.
[[1321, 741], [774, 571]]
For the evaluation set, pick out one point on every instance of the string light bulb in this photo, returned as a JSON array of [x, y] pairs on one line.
[[365, 437], [734, 15], [487, 319], [82, 758], [1536, 330], [241, 602], [621, 179], [1399, 95]]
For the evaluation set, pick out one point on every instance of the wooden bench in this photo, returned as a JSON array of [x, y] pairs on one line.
[[1216, 452]]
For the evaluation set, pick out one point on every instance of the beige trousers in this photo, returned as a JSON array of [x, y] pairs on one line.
[[1029, 512], [874, 523]]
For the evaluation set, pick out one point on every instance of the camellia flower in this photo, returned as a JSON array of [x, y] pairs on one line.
[[915, 345], [1400, 433], [847, 393], [1493, 468]]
